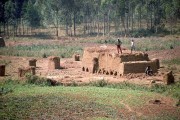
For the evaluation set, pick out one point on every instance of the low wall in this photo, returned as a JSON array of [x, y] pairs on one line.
[[28, 70], [134, 57], [137, 67]]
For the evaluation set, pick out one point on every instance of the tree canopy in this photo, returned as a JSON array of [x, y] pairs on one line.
[[124, 17]]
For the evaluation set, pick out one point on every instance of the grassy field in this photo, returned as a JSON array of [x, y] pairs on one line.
[[41, 50], [28, 101], [67, 50]]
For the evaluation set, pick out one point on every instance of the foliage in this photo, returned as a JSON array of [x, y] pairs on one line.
[[153, 16], [32, 15], [41, 50], [175, 61], [33, 79], [99, 83]]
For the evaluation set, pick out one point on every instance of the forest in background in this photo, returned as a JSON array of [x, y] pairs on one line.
[[89, 17]]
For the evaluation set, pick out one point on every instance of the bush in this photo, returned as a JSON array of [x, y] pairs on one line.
[[4, 90], [125, 85], [44, 55], [99, 83], [171, 47], [33, 79]]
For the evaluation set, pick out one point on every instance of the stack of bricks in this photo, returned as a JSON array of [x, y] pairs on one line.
[[137, 67], [54, 63], [32, 62], [2, 70], [76, 57]]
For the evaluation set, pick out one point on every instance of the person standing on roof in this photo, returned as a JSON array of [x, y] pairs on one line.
[[132, 45], [119, 46]]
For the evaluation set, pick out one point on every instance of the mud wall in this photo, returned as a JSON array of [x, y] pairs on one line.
[[134, 57], [109, 63], [87, 60], [29, 70], [54, 63], [105, 61], [137, 67]]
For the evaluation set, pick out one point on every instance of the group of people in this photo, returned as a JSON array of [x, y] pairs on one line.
[[119, 46], [148, 70]]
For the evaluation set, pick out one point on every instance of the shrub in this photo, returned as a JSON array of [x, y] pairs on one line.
[[99, 83], [33, 79], [44, 55], [4, 90], [171, 47]]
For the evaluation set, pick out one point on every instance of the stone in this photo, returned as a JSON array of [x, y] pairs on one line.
[[168, 78]]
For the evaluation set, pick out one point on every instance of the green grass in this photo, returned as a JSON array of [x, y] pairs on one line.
[[29, 101], [62, 50], [39, 50], [175, 61], [143, 44], [156, 44]]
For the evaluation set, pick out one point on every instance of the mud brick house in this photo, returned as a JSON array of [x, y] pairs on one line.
[[108, 61]]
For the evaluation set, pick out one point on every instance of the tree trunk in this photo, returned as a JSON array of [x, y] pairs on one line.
[[23, 27], [151, 17], [84, 24], [98, 25], [66, 28], [109, 22], [127, 23], [132, 20], [74, 21], [140, 18], [4, 25], [0, 29], [7, 28], [123, 24], [147, 16], [104, 26]]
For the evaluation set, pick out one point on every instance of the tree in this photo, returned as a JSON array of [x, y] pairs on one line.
[[52, 13]]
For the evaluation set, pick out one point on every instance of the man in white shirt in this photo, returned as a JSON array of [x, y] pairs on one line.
[[132, 45]]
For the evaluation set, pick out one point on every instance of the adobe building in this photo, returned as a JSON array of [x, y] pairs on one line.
[[108, 61]]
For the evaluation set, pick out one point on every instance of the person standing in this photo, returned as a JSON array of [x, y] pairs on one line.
[[119, 46], [132, 45]]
